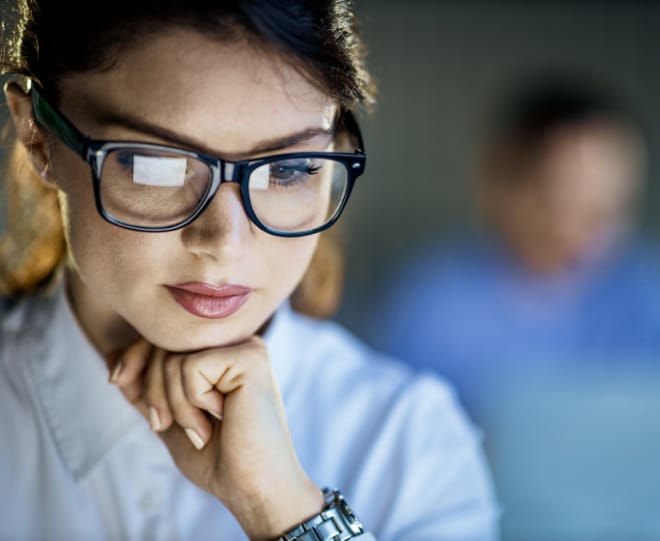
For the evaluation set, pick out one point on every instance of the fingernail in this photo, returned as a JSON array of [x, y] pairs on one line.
[[154, 419], [217, 415], [195, 438], [115, 372]]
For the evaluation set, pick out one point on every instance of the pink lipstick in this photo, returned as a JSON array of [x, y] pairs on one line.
[[209, 301]]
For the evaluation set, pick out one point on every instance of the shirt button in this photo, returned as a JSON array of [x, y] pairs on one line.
[[148, 503]]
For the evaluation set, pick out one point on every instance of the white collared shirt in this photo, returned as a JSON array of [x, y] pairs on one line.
[[77, 462]]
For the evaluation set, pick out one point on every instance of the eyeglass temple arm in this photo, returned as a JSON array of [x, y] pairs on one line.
[[56, 123], [353, 127]]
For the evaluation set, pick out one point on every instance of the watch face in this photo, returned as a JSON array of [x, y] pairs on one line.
[[354, 524], [335, 500], [335, 523]]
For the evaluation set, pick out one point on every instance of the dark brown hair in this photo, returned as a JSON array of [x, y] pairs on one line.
[[46, 41], [538, 105]]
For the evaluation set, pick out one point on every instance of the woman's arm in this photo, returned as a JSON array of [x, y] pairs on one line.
[[220, 413]]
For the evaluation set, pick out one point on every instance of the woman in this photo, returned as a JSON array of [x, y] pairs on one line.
[[222, 141]]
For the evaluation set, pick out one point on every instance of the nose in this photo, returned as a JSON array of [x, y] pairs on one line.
[[223, 229]]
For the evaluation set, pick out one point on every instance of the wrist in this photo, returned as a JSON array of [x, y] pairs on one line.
[[335, 523], [267, 518]]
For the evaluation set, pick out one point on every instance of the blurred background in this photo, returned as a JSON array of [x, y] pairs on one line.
[[442, 66], [560, 372]]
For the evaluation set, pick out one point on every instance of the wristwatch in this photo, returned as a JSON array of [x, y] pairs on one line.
[[335, 523]]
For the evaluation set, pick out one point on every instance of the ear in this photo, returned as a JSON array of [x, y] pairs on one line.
[[28, 131]]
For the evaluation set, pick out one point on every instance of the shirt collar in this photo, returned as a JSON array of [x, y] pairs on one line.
[[88, 415]]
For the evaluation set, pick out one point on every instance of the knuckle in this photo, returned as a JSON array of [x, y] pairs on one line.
[[165, 418], [183, 416], [172, 365], [198, 401], [133, 394], [259, 358], [257, 342], [254, 351], [189, 366], [154, 396], [135, 353]]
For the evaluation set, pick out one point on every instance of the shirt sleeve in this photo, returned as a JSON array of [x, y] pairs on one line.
[[435, 483]]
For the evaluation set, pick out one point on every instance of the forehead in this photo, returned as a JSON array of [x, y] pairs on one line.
[[592, 143], [226, 95]]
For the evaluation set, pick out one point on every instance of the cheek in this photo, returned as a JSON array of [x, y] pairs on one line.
[[73, 180], [95, 248], [105, 256], [287, 260]]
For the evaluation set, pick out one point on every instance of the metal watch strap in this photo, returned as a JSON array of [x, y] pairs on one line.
[[335, 523]]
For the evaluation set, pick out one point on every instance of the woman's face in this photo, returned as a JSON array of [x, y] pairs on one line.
[[228, 100]]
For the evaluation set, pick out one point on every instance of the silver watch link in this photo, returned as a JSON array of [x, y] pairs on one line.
[[335, 523]]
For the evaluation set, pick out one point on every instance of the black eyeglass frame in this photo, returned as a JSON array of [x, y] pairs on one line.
[[95, 151]]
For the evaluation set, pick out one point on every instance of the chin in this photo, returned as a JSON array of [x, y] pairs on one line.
[[195, 342], [200, 335], [174, 329]]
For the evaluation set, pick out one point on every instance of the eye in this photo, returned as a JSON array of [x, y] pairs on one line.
[[293, 170], [125, 159]]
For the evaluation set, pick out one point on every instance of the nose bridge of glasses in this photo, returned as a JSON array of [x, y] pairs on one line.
[[228, 169], [223, 171]]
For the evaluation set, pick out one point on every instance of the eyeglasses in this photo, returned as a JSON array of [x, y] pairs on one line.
[[156, 188]]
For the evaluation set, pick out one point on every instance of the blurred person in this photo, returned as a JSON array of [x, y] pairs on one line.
[[556, 265], [555, 288]]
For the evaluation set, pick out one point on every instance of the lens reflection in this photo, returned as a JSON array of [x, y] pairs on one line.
[[152, 188]]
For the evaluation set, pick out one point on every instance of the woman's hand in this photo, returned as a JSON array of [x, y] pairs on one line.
[[220, 413]]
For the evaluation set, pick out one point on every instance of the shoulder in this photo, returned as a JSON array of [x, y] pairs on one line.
[[20, 314], [371, 424], [344, 369], [23, 322], [332, 347], [22, 342]]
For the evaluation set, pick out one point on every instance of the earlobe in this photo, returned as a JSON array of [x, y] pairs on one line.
[[28, 131]]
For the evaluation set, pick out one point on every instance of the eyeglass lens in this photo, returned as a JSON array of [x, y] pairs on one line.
[[154, 188]]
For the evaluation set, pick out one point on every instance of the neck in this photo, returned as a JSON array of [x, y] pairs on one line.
[[105, 329]]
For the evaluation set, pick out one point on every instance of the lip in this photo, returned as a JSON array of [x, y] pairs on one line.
[[208, 300]]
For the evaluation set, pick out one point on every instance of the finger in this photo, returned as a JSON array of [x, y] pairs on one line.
[[155, 397], [228, 368], [138, 403], [197, 427], [129, 372], [199, 390], [131, 362], [112, 362]]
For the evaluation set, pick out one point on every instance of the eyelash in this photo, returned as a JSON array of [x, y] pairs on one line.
[[298, 171]]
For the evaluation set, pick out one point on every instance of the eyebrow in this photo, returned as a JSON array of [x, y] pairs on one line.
[[270, 145]]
